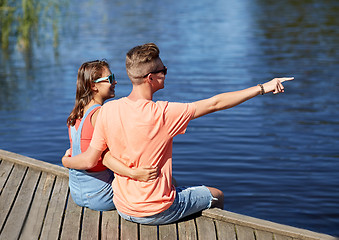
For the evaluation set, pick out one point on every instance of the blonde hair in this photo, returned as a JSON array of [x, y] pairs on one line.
[[141, 60]]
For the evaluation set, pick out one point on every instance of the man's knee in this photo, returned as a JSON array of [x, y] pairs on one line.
[[218, 197]]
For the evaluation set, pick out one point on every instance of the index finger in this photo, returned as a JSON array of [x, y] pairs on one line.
[[149, 167], [286, 79]]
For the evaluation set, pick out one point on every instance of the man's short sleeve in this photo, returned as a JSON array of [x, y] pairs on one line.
[[98, 141], [177, 117]]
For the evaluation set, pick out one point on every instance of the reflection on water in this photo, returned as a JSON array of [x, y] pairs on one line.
[[28, 29], [21, 21], [275, 157]]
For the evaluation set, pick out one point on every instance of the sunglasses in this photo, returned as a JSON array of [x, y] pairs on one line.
[[164, 71], [110, 78]]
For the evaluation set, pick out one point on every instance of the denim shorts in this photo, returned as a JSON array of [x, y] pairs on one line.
[[92, 189], [188, 200]]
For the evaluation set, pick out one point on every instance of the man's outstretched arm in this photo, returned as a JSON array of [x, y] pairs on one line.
[[231, 99]]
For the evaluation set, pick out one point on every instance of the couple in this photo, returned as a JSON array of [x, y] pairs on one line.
[[138, 134]]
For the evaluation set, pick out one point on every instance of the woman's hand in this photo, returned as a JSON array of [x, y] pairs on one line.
[[275, 85], [145, 174], [142, 174]]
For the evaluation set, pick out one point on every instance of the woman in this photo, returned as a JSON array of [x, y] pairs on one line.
[[90, 182]]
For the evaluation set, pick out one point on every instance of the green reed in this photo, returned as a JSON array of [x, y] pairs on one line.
[[25, 21]]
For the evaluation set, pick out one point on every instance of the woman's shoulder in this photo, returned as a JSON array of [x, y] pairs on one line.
[[94, 115]]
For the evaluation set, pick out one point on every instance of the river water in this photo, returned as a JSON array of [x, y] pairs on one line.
[[275, 157]]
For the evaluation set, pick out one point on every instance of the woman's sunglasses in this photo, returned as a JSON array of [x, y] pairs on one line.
[[110, 78]]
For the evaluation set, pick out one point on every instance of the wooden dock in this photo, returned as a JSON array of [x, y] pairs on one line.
[[35, 204]]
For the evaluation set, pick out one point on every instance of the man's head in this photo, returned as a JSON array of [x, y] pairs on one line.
[[142, 60]]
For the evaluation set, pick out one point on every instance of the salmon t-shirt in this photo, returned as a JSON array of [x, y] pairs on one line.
[[140, 133]]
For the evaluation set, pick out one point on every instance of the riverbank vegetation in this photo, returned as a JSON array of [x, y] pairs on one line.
[[23, 22]]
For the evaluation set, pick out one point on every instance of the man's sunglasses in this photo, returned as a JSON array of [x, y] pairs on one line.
[[110, 78], [164, 71]]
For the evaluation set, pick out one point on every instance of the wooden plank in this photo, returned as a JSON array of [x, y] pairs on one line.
[[280, 237], [55, 211], [264, 225], [206, 228], [244, 233], [225, 230], [90, 224], [36, 215], [262, 235], [187, 230], [168, 231], [33, 163], [148, 232], [72, 220], [11, 184], [129, 230], [9, 193], [5, 170], [110, 225], [16, 219]]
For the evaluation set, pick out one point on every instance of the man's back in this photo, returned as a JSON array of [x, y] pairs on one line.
[[140, 133]]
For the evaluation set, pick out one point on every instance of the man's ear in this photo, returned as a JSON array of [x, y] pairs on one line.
[[149, 78]]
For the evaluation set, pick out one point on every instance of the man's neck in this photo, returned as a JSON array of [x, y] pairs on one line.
[[141, 92]]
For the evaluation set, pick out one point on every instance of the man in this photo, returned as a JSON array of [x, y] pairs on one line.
[[139, 132]]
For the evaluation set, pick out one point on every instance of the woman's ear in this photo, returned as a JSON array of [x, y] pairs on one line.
[[94, 87]]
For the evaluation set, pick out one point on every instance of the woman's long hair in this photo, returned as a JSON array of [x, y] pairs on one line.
[[87, 73]]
